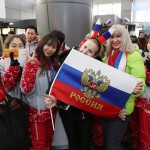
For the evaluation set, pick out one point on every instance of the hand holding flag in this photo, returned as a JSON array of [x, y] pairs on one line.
[[92, 86], [50, 101]]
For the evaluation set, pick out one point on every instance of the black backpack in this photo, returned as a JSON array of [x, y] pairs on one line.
[[14, 130]]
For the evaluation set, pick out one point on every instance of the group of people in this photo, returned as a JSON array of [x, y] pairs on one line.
[[139, 121], [32, 83], [113, 129], [140, 41], [42, 66]]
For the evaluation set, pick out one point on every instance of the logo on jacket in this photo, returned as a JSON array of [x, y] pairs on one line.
[[93, 83]]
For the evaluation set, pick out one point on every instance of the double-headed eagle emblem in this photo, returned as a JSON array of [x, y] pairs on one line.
[[93, 83]]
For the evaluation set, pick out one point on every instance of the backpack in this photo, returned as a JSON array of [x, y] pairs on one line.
[[14, 130]]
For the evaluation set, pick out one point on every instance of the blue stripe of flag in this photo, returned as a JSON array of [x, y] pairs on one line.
[[106, 35], [108, 23], [97, 27]]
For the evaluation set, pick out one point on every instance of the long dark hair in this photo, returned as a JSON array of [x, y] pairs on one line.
[[47, 39]]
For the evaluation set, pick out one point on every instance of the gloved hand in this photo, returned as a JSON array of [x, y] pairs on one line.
[[14, 62]]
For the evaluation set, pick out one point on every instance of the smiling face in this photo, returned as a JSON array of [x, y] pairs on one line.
[[16, 43], [89, 48], [115, 41], [49, 49]]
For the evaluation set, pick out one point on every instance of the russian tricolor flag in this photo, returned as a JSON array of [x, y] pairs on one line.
[[126, 20], [97, 28], [105, 36], [108, 22], [92, 86]]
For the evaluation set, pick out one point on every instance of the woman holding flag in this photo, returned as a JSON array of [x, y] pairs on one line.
[[77, 122], [120, 54]]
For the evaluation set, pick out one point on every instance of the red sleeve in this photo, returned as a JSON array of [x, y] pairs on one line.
[[28, 77], [1, 84], [147, 77], [11, 77], [2, 95], [140, 45], [142, 103]]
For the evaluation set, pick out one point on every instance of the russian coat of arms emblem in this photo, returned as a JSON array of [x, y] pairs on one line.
[[93, 83]]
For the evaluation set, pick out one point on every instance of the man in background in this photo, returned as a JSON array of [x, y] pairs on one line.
[[32, 38]]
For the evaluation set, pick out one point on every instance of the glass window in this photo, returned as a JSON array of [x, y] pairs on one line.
[[141, 11], [104, 9], [5, 30], [108, 9], [141, 16], [94, 10], [117, 9], [147, 19], [141, 4], [20, 31]]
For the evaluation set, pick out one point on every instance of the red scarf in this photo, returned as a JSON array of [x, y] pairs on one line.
[[112, 57]]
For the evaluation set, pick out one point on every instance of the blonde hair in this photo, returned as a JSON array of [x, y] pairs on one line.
[[126, 44]]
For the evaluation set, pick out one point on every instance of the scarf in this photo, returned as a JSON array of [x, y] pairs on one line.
[[117, 59]]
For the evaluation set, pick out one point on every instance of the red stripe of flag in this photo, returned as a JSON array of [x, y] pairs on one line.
[[75, 97]]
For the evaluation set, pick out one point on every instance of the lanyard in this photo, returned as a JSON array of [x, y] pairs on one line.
[[52, 73]]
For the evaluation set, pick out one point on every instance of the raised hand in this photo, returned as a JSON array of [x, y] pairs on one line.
[[32, 58], [38, 38], [14, 62]]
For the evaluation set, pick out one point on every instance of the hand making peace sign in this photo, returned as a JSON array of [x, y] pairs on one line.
[[31, 59]]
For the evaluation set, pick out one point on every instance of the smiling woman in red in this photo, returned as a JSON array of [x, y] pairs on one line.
[[38, 72]]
